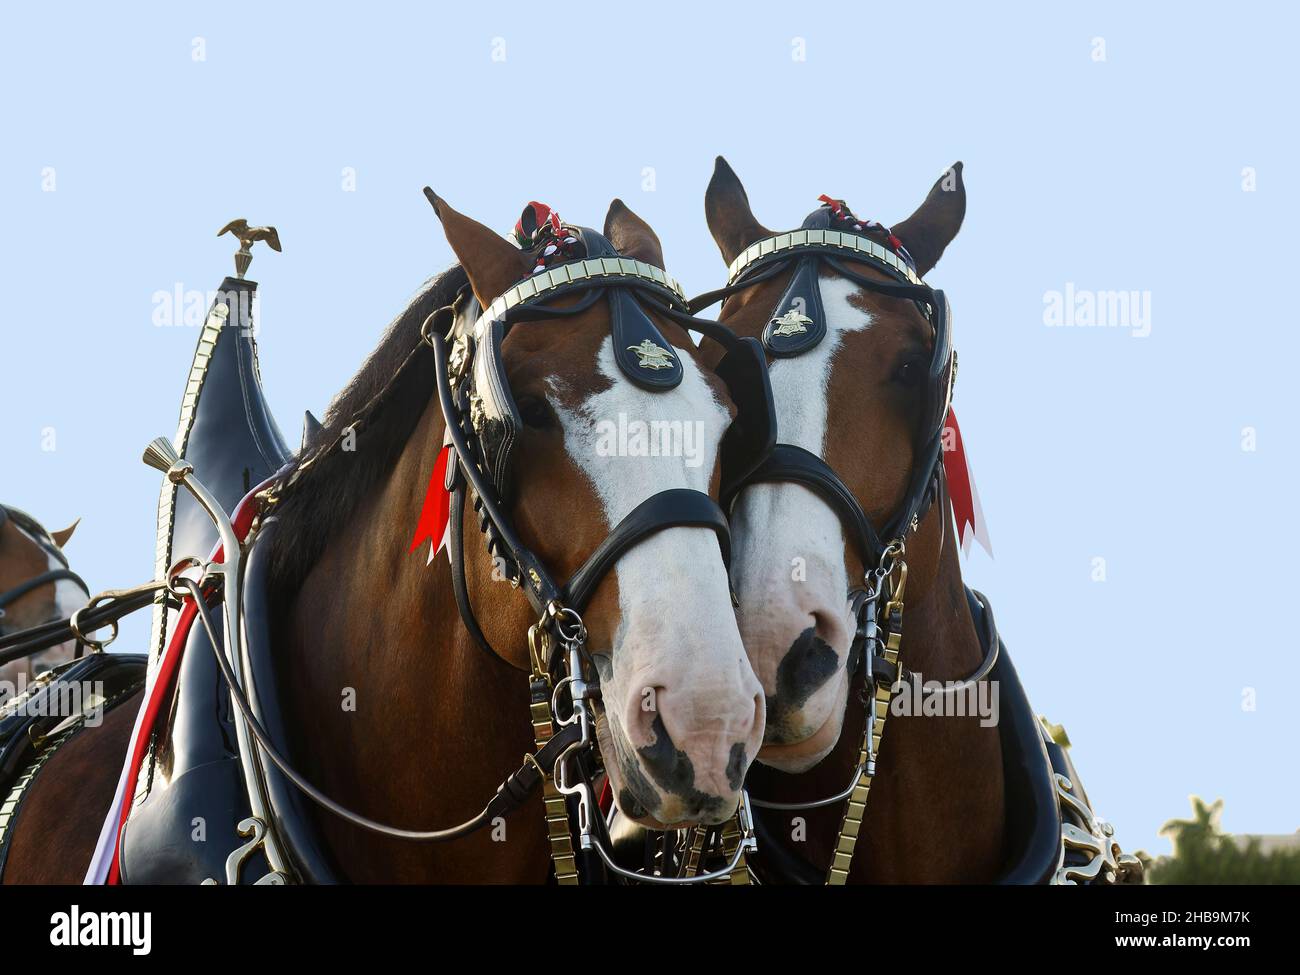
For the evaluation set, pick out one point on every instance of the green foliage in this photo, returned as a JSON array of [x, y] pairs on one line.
[[1203, 854]]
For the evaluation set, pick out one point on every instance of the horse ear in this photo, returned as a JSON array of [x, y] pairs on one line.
[[935, 223], [62, 535], [491, 262], [632, 236], [726, 208]]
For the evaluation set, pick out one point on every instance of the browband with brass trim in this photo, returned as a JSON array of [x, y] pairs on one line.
[[590, 269], [801, 239]]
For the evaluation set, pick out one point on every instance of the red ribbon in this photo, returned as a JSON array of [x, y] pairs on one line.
[[437, 506], [961, 492], [841, 212], [535, 217]]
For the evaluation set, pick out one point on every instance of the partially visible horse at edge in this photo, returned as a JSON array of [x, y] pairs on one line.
[[37, 585]]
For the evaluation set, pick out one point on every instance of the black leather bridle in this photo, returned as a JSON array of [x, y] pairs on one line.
[[461, 332], [37, 532], [806, 251]]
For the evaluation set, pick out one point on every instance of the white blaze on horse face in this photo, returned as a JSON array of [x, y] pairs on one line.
[[788, 563], [682, 703]]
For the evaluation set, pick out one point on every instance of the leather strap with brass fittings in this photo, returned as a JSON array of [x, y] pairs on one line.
[[553, 802], [731, 836], [881, 693]]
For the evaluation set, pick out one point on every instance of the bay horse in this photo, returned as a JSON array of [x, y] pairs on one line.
[[857, 399], [393, 708], [36, 586]]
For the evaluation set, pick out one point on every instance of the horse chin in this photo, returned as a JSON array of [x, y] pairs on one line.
[[799, 756], [671, 813], [649, 822]]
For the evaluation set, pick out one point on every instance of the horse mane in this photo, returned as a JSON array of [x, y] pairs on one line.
[[383, 402]]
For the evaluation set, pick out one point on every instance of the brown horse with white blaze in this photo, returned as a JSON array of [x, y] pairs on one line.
[[856, 400], [390, 705], [371, 618]]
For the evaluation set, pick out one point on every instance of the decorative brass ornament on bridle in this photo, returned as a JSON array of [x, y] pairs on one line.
[[651, 356], [793, 322]]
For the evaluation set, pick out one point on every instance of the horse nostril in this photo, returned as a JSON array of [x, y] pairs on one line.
[[667, 765], [810, 663], [737, 765], [644, 726]]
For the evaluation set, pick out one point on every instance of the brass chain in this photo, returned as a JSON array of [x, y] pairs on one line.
[[731, 836], [856, 806], [695, 849], [553, 801]]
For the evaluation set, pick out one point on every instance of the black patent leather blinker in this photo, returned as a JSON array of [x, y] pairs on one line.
[[799, 321]]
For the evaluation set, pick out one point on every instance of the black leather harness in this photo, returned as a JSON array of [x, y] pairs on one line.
[[35, 724]]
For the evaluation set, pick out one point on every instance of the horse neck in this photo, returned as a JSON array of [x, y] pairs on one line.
[[431, 736], [939, 777], [939, 637]]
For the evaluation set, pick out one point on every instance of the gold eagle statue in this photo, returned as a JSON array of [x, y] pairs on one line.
[[247, 237]]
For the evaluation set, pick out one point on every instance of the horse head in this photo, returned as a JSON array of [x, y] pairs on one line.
[[853, 384], [605, 428]]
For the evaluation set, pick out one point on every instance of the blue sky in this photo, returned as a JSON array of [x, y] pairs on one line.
[[1123, 173]]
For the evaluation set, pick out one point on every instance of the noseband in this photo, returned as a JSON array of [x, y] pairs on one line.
[[42, 538]]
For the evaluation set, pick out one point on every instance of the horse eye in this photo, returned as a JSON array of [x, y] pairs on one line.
[[909, 373], [536, 412]]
